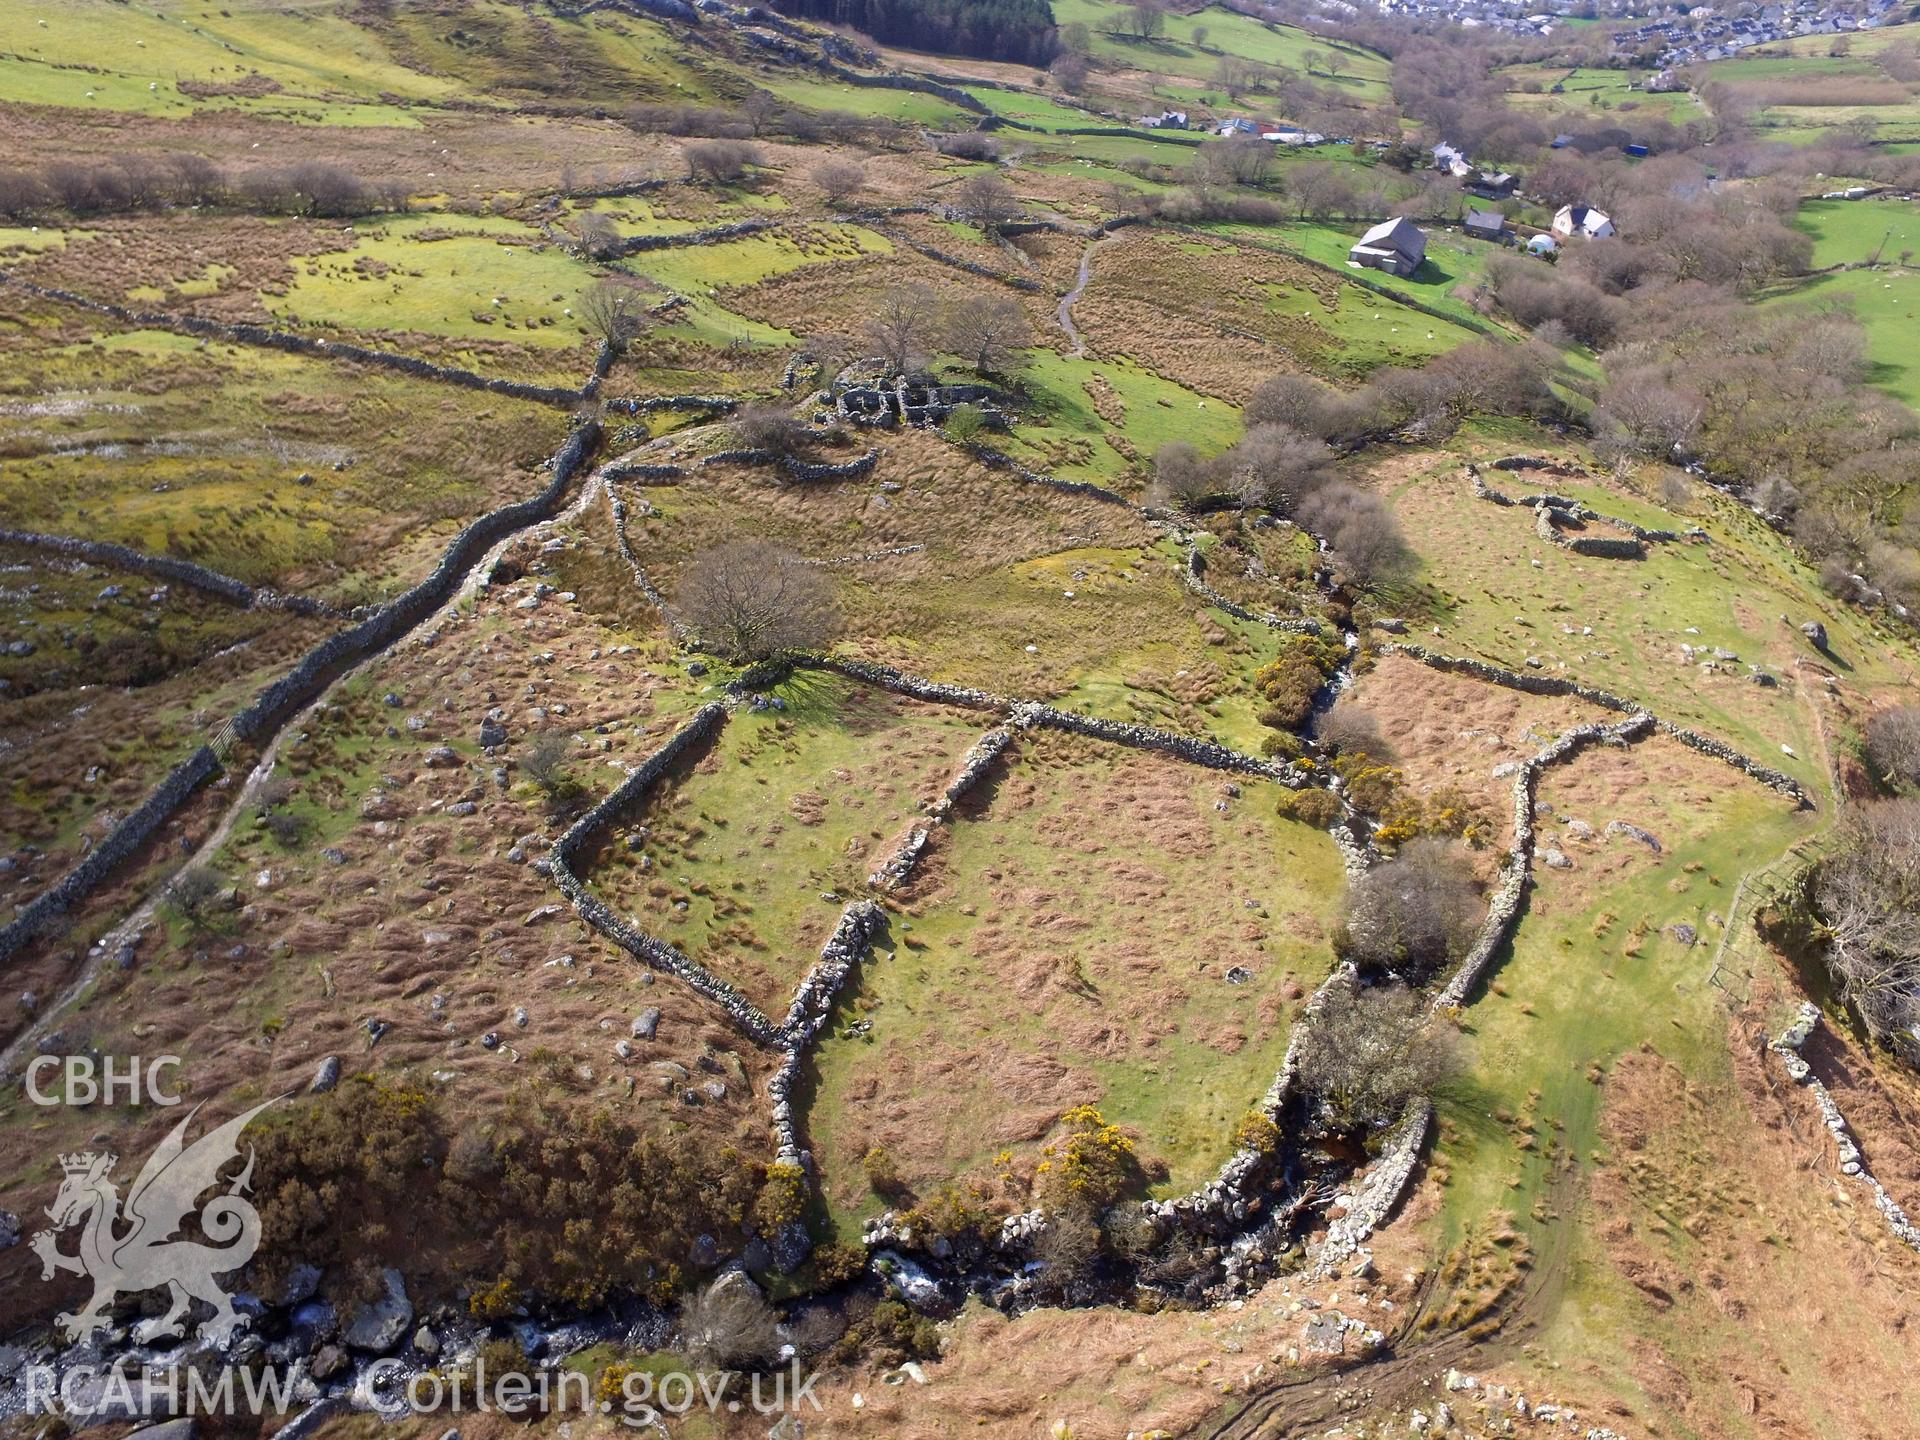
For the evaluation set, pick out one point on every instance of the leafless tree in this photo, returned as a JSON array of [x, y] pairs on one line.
[[898, 325], [616, 310], [1367, 544], [545, 761], [1299, 402], [1070, 70], [771, 428], [597, 234], [1892, 746], [986, 330], [1241, 160], [1868, 897], [1349, 729], [987, 200], [730, 1323], [328, 190], [719, 162], [1321, 190], [1182, 476], [841, 181], [1146, 19], [751, 600], [1412, 915], [1369, 1051], [1277, 466]]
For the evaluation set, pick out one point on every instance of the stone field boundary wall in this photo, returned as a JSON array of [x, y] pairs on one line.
[[108, 555], [1852, 1162], [315, 673], [261, 335], [1509, 891], [1553, 685]]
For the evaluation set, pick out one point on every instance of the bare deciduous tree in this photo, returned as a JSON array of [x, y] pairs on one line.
[[986, 330], [597, 234], [773, 429], [1413, 914], [719, 162], [751, 600], [730, 1323], [897, 327], [615, 310], [987, 200], [840, 181], [1368, 1052], [1892, 747], [1868, 897]]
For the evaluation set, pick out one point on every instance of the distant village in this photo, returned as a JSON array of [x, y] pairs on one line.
[[1674, 36]]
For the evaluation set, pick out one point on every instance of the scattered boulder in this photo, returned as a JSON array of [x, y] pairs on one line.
[[1815, 632], [646, 1023], [185, 1428], [379, 1324], [9, 1229], [328, 1362], [1634, 832], [326, 1077]]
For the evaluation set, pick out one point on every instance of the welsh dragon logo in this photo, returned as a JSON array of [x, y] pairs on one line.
[[135, 1250]]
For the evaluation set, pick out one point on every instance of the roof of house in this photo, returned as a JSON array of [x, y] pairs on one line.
[[1486, 220], [1399, 234]]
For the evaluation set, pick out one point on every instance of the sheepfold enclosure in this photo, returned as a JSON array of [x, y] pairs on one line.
[[1085, 924]]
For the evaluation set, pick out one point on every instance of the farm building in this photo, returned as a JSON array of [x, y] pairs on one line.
[[1396, 246], [1492, 184], [1486, 225], [1582, 220]]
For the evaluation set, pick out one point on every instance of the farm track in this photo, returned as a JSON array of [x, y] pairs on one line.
[[1401, 1374], [1072, 297]]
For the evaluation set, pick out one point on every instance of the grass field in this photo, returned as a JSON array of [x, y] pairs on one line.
[[1803, 93], [1884, 300], [1587, 94], [1098, 419], [148, 439], [1071, 944], [1728, 594], [787, 807], [465, 278], [1450, 267], [1180, 52]]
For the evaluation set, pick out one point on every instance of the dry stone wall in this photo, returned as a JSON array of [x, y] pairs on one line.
[[261, 335], [1509, 891], [1554, 685], [163, 567], [1374, 1200], [1852, 1161], [321, 666], [585, 831]]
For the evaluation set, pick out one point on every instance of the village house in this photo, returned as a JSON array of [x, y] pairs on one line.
[[1492, 184], [1582, 220], [1397, 246], [1487, 225]]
